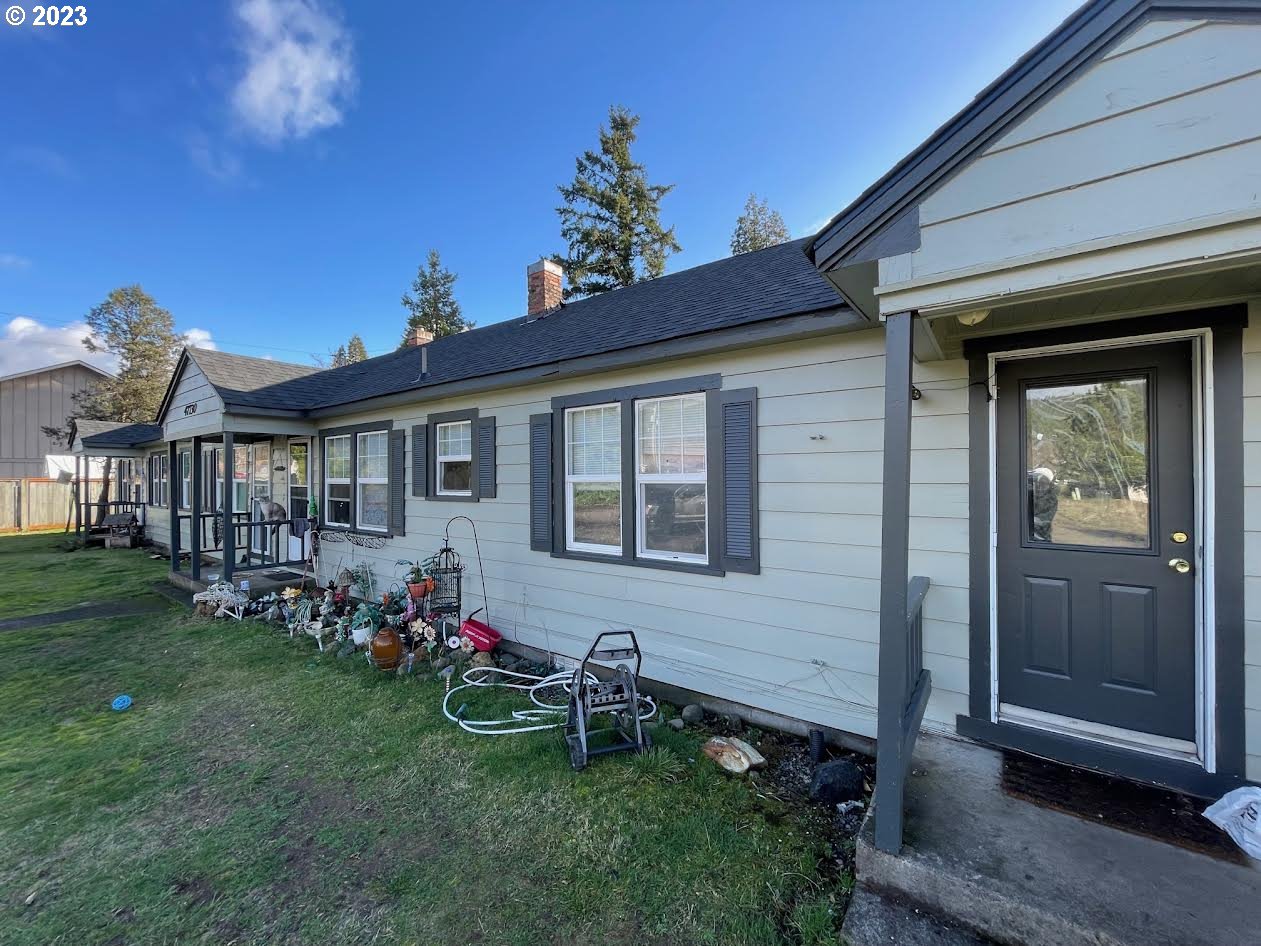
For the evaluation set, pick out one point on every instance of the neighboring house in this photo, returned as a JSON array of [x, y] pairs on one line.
[[30, 460], [1019, 366], [35, 399]]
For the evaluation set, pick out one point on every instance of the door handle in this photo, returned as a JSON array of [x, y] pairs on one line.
[[1180, 565]]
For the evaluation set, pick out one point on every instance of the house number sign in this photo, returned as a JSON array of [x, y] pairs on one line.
[[190, 409]]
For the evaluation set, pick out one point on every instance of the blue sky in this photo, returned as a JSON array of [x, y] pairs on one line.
[[273, 171]]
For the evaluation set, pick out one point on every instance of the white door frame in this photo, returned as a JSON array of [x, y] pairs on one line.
[[1204, 751]]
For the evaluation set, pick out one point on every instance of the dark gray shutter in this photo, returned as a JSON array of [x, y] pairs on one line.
[[738, 422], [541, 482], [486, 458], [420, 465], [398, 482]]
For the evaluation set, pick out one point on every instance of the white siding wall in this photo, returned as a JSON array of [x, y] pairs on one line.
[[1252, 542], [1161, 136], [748, 638]]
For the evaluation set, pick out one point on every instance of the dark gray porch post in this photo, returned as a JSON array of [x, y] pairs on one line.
[[78, 501], [229, 532], [894, 574], [194, 509], [173, 502]]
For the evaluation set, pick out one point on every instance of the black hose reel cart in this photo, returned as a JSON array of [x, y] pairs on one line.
[[617, 696]]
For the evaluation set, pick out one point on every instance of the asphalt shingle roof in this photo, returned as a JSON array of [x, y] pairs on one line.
[[740, 290], [104, 433]]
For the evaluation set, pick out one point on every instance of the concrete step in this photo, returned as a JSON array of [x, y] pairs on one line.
[[1024, 875], [873, 920]]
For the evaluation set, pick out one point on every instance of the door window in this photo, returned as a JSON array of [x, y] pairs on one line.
[[1087, 464]]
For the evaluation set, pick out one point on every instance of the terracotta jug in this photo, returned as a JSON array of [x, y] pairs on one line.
[[386, 648]]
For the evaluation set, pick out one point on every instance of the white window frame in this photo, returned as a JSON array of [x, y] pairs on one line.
[[186, 474], [337, 481], [439, 459], [571, 481], [681, 479], [361, 481]]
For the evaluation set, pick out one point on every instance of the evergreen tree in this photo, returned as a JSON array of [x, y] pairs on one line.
[[758, 227], [339, 357], [610, 217], [432, 305], [356, 350]]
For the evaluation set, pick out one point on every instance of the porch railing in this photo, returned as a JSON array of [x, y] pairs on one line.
[[256, 543], [894, 756]]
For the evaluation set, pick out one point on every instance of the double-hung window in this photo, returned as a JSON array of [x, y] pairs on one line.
[[158, 479], [372, 480], [671, 501], [453, 458], [593, 479], [337, 481]]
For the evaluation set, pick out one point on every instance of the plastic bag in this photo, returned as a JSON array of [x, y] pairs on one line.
[[1238, 813]]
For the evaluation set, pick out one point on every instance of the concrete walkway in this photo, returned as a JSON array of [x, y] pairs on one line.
[[1019, 874]]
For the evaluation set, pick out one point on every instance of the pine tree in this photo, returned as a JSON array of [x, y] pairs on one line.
[[758, 227], [433, 306], [611, 216], [356, 350], [133, 328], [339, 358]]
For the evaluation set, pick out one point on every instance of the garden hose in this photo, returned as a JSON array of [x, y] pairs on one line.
[[542, 715]]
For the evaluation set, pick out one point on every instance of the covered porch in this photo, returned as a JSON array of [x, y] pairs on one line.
[[109, 474], [242, 506]]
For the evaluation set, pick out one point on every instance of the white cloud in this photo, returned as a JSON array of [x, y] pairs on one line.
[[200, 338], [26, 344], [13, 261], [299, 69]]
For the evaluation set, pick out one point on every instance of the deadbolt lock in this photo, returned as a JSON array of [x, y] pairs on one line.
[[1179, 537], [1180, 565]]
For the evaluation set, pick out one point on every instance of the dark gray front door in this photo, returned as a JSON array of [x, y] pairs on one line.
[[1095, 554]]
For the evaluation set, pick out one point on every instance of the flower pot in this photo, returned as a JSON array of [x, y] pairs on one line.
[[418, 589]]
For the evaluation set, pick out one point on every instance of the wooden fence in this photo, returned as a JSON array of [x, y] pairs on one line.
[[37, 503]]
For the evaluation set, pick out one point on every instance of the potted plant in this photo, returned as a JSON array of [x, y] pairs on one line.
[[418, 583]]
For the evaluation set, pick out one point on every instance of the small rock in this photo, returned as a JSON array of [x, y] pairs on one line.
[[676, 724], [734, 723], [483, 659], [837, 781], [441, 663], [728, 757], [692, 713], [756, 759]]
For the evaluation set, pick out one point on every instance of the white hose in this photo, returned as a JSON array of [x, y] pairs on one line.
[[542, 716]]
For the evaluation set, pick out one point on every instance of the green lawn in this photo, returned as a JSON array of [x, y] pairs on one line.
[[258, 792], [37, 574]]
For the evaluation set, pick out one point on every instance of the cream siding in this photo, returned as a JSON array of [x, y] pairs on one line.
[[799, 639], [1158, 139]]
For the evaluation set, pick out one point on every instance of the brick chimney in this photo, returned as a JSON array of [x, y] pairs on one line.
[[419, 336], [543, 282]]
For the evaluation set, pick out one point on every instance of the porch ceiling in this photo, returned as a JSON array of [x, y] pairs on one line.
[[942, 337]]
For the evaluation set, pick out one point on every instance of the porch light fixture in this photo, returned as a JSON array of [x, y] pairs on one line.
[[975, 317]]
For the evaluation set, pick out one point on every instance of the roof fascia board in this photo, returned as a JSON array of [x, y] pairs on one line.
[[72, 363], [1038, 74], [170, 386], [790, 328]]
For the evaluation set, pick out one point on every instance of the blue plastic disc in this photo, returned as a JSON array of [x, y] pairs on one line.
[[121, 702]]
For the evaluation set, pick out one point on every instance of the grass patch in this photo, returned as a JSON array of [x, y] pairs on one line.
[[260, 792], [38, 574]]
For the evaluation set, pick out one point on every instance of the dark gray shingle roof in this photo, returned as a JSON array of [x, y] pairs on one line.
[[103, 433], [740, 290], [235, 375]]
